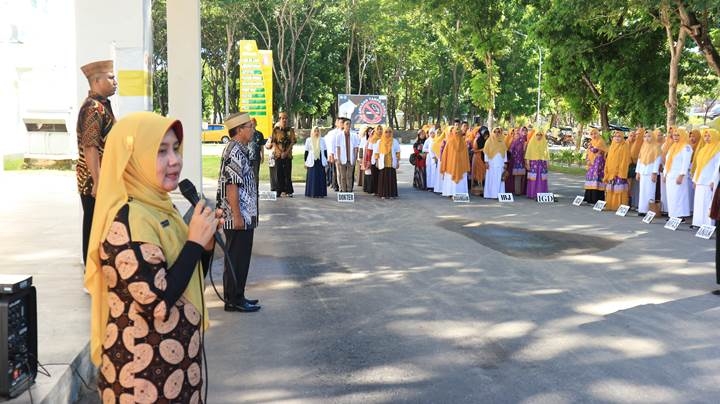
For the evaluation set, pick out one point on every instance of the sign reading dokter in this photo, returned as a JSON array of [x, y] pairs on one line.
[[363, 109]]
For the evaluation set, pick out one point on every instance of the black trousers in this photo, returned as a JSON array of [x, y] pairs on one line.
[[284, 176], [88, 205], [239, 243]]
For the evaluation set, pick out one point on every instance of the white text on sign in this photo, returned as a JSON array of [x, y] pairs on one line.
[[268, 196], [599, 206], [649, 217], [578, 200], [506, 197], [673, 223], [622, 210], [546, 197], [461, 198], [705, 231], [346, 197]]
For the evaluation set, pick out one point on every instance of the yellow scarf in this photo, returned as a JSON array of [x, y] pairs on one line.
[[598, 143], [649, 151], [128, 170], [315, 141], [676, 148], [707, 152], [495, 144], [376, 134], [618, 160], [699, 144], [455, 159], [636, 144], [537, 149], [437, 143]]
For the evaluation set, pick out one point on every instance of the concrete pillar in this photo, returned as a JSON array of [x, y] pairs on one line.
[[184, 80]]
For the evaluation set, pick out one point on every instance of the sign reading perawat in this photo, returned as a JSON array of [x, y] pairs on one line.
[[363, 109]]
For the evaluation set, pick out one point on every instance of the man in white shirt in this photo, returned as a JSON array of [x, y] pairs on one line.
[[329, 138], [346, 151]]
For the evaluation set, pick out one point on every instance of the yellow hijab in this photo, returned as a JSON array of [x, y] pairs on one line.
[[707, 153], [128, 171], [598, 143], [649, 151], [537, 149], [699, 144], [315, 141], [510, 137], [455, 159], [495, 144], [636, 144], [676, 148], [376, 134], [437, 143], [618, 160]]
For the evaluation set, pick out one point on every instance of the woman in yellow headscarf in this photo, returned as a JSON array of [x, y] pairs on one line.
[[437, 150], [596, 154], [663, 141], [634, 140], [616, 172], [677, 171], [477, 163], [536, 163], [705, 177], [387, 158], [515, 182], [455, 164], [495, 152], [646, 171], [143, 270], [374, 172]]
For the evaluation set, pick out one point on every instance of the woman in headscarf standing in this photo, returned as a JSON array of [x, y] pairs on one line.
[[536, 163], [617, 165], [387, 158], [705, 177], [374, 172], [419, 176], [495, 153], [478, 168], [646, 171], [144, 269], [596, 154], [635, 141], [366, 152], [431, 160], [677, 170], [455, 164], [516, 163], [315, 163], [438, 147], [665, 141]]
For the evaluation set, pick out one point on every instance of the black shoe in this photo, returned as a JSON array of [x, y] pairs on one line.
[[242, 307], [716, 292], [252, 301]]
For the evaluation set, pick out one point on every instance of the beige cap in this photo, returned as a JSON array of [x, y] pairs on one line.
[[236, 119], [102, 66]]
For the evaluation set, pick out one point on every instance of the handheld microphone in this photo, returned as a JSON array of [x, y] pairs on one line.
[[188, 190]]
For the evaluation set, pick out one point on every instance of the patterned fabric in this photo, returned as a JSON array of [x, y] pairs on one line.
[[150, 354], [95, 120], [517, 155], [595, 174], [236, 168], [257, 141], [537, 178], [285, 138]]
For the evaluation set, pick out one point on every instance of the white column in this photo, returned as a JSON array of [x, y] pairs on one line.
[[184, 82]]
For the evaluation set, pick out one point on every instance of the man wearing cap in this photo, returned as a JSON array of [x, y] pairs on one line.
[[237, 197], [346, 150], [95, 120]]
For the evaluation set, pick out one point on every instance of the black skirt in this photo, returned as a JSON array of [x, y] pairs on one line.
[[387, 183], [315, 185]]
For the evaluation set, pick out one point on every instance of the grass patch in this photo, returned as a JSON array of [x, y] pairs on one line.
[[572, 170], [211, 167], [13, 162]]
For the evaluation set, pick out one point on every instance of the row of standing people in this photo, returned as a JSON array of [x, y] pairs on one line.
[[675, 174], [458, 159]]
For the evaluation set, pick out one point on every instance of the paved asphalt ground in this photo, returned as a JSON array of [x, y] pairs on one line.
[[422, 300]]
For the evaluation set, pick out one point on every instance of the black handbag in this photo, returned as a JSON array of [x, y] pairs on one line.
[[413, 159]]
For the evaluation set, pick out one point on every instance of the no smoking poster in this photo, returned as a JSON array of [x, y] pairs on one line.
[[363, 109]]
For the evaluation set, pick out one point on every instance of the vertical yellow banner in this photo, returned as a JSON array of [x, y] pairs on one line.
[[256, 84]]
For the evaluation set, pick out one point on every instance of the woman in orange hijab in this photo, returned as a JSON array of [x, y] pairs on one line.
[[646, 171], [455, 164], [677, 171], [596, 153], [616, 172]]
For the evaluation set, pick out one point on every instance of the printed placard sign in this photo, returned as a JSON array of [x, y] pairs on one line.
[[673, 223], [546, 197], [346, 197], [461, 198], [578, 200], [268, 195], [649, 217], [622, 210], [599, 206], [506, 197], [705, 231]]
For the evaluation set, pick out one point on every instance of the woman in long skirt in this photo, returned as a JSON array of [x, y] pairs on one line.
[[515, 182], [665, 141], [366, 161], [419, 172], [536, 163], [374, 172], [438, 147], [495, 153], [594, 185], [315, 163], [387, 157], [646, 171], [431, 160], [677, 167], [617, 191], [478, 168], [455, 164], [705, 178], [635, 141]]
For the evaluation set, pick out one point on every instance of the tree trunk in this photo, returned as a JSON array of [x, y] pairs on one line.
[[604, 122], [230, 35], [675, 47], [579, 137]]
